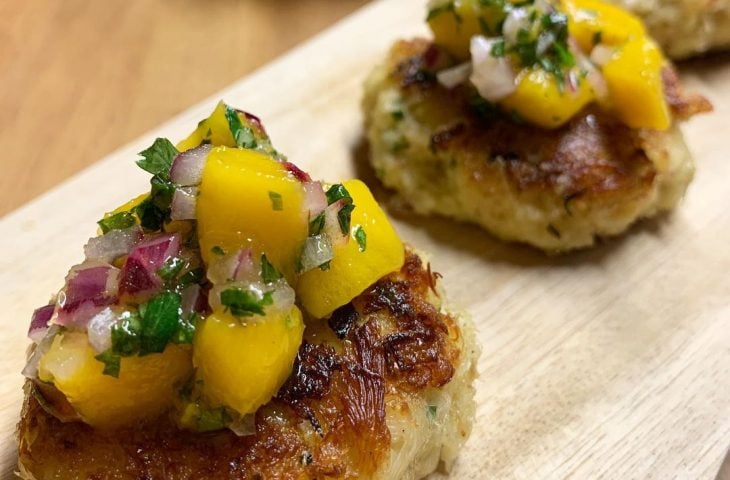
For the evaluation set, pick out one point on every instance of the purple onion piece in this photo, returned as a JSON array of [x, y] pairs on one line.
[[187, 167], [139, 273], [298, 173], [39, 322], [89, 287], [315, 199], [113, 244], [183, 203]]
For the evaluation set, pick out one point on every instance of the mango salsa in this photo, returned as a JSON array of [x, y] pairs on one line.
[[594, 21], [540, 100], [635, 87], [145, 388], [243, 362], [248, 199], [353, 267], [454, 22]]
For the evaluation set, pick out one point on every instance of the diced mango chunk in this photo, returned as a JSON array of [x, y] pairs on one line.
[[249, 200], [539, 99], [352, 270], [596, 21], [146, 386], [634, 81], [454, 22], [214, 129], [242, 362]]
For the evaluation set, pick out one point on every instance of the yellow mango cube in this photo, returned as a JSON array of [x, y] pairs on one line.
[[243, 362], [146, 387], [454, 22], [539, 99], [592, 20], [249, 200], [634, 80], [353, 269], [215, 129]]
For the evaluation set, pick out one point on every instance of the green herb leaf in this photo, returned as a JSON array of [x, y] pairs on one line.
[[276, 201], [245, 303], [431, 412], [344, 216], [125, 334], [118, 221], [337, 192], [597, 37], [269, 273], [316, 225], [150, 217], [361, 237], [193, 276], [242, 134], [159, 322], [498, 49], [186, 329], [170, 269], [111, 363], [157, 159], [161, 193], [218, 250]]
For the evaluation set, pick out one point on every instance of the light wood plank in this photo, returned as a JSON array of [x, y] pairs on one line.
[[608, 363]]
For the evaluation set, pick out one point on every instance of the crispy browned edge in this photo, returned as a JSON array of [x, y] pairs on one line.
[[328, 420], [593, 155]]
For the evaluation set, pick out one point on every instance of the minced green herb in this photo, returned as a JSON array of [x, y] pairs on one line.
[[269, 273], [444, 8], [218, 250], [242, 134], [112, 363], [276, 201], [316, 225], [171, 268], [117, 221], [339, 192], [361, 237], [245, 303], [157, 159], [160, 319]]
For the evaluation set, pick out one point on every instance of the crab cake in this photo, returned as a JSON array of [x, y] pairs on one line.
[[242, 320], [540, 160], [684, 27], [383, 389]]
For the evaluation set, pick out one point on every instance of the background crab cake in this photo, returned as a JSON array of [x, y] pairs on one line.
[[383, 390], [684, 27], [446, 152]]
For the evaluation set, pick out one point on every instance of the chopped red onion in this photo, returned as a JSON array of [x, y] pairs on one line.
[[89, 287], [37, 351], [315, 201], [332, 223], [39, 322], [191, 300], [492, 76], [451, 77], [187, 167], [244, 426], [317, 251], [298, 173], [238, 266], [100, 330], [183, 203], [139, 273], [113, 244]]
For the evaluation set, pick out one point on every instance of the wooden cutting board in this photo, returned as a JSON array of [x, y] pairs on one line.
[[607, 363]]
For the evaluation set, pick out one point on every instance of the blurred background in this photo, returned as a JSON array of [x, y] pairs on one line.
[[79, 78]]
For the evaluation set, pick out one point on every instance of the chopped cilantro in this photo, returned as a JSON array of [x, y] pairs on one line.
[[157, 159], [269, 273], [597, 37], [160, 319], [186, 329], [498, 49], [443, 8], [125, 334], [276, 201], [325, 266], [150, 217], [316, 225], [117, 221], [397, 115], [361, 237], [212, 419], [111, 363], [170, 269], [242, 134], [193, 276], [245, 303], [431, 412], [218, 250], [339, 192], [344, 216]]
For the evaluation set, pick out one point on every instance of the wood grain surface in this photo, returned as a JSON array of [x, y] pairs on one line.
[[609, 363], [80, 78]]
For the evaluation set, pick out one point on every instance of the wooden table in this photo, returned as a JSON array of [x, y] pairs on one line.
[[80, 78]]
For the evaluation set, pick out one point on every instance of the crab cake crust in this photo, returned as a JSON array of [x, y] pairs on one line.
[[381, 390], [555, 189], [684, 27]]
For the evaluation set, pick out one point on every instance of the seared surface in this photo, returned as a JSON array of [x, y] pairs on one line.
[[373, 365], [446, 152]]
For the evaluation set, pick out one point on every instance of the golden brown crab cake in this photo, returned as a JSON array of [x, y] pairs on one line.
[[445, 152], [382, 390], [684, 27]]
